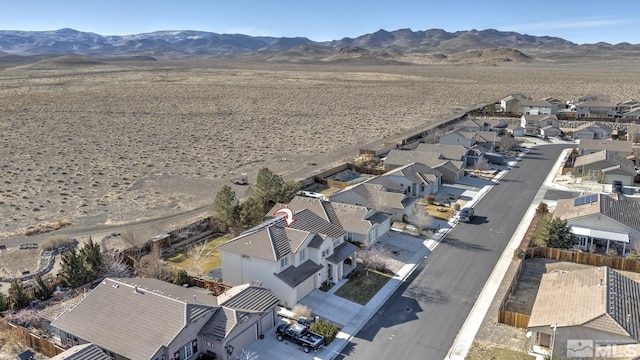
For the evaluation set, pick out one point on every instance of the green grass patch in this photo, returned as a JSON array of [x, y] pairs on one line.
[[362, 287], [181, 259]]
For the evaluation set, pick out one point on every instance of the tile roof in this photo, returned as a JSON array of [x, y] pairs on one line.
[[129, 321], [449, 152], [222, 323], [599, 298], [296, 275], [591, 125], [611, 145], [83, 352], [273, 239], [342, 252], [597, 103], [251, 299], [607, 156], [416, 172], [623, 210], [534, 103], [404, 157], [539, 118]]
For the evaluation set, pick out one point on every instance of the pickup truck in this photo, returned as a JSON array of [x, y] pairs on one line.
[[300, 335]]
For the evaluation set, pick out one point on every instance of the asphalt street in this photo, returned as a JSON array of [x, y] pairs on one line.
[[421, 320]]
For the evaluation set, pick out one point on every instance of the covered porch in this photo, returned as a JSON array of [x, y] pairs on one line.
[[342, 261], [590, 239]]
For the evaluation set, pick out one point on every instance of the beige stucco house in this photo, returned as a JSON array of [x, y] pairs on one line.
[[533, 124], [590, 146], [149, 319], [451, 170], [606, 220], [586, 313], [605, 166], [591, 130], [290, 260]]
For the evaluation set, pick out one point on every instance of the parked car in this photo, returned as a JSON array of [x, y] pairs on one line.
[[300, 335], [616, 186], [466, 214]]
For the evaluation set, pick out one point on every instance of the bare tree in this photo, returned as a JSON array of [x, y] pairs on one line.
[[374, 258], [301, 311], [421, 217], [113, 265], [247, 355], [482, 164], [152, 265], [26, 318], [507, 142], [198, 255]]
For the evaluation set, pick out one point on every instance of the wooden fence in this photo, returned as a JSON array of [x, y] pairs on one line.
[[215, 287], [36, 342], [584, 258], [513, 318]]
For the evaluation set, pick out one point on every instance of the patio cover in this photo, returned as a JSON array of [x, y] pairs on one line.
[[600, 234]]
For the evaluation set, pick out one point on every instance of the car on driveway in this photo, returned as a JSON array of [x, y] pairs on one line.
[[300, 335], [466, 214]]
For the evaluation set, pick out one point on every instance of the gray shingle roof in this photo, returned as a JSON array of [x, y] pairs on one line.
[[296, 275], [611, 145], [607, 156], [623, 210], [315, 242], [134, 323], [416, 172], [222, 323], [252, 299], [342, 252], [449, 152], [83, 352], [404, 157]]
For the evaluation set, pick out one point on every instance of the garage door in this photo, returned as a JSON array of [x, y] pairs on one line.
[[245, 338], [266, 322], [306, 287], [609, 178]]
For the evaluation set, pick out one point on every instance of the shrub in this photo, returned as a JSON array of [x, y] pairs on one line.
[[634, 255], [456, 206], [56, 242], [179, 276], [542, 209], [430, 199], [301, 311], [326, 329], [518, 253]]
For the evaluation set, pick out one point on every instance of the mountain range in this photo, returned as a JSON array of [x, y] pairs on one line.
[[390, 45]]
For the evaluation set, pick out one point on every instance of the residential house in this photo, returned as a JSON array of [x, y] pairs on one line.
[[151, 319], [476, 153], [461, 137], [555, 102], [385, 196], [591, 130], [516, 130], [603, 220], [622, 148], [415, 179], [533, 124], [449, 152], [596, 109], [585, 312], [290, 260], [509, 103], [626, 106], [487, 139], [498, 126], [631, 114], [605, 166], [361, 224], [536, 107], [472, 124], [451, 170]]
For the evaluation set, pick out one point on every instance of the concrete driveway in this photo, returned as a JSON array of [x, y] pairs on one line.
[[331, 307], [271, 348]]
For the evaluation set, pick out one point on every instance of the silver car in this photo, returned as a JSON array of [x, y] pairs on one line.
[[466, 214]]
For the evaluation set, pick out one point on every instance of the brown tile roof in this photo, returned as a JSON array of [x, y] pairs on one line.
[[296, 275], [600, 298], [132, 322], [622, 210], [251, 299], [611, 145], [83, 352], [342, 252]]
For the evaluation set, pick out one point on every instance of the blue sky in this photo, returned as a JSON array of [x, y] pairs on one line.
[[586, 21]]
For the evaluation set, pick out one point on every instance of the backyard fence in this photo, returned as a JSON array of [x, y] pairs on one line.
[[36, 342], [513, 318], [584, 258]]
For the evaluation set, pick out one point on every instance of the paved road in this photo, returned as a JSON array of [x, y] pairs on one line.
[[422, 319]]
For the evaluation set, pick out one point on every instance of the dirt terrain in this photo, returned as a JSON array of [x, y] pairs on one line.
[[101, 143]]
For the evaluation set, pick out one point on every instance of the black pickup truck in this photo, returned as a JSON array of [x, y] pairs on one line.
[[300, 335]]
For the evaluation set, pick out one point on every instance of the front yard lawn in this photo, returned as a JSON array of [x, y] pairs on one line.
[[362, 286], [440, 212], [181, 259]]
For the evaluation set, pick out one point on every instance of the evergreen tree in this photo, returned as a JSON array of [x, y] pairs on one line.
[[91, 259], [44, 288], [226, 206], [251, 213], [268, 185], [288, 191], [559, 234], [73, 272], [3, 303], [18, 297]]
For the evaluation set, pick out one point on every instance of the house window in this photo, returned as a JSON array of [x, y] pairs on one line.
[[349, 236], [422, 187], [188, 350], [302, 255], [284, 262], [594, 175], [325, 253]]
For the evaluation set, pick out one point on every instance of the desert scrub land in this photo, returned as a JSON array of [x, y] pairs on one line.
[[99, 143]]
